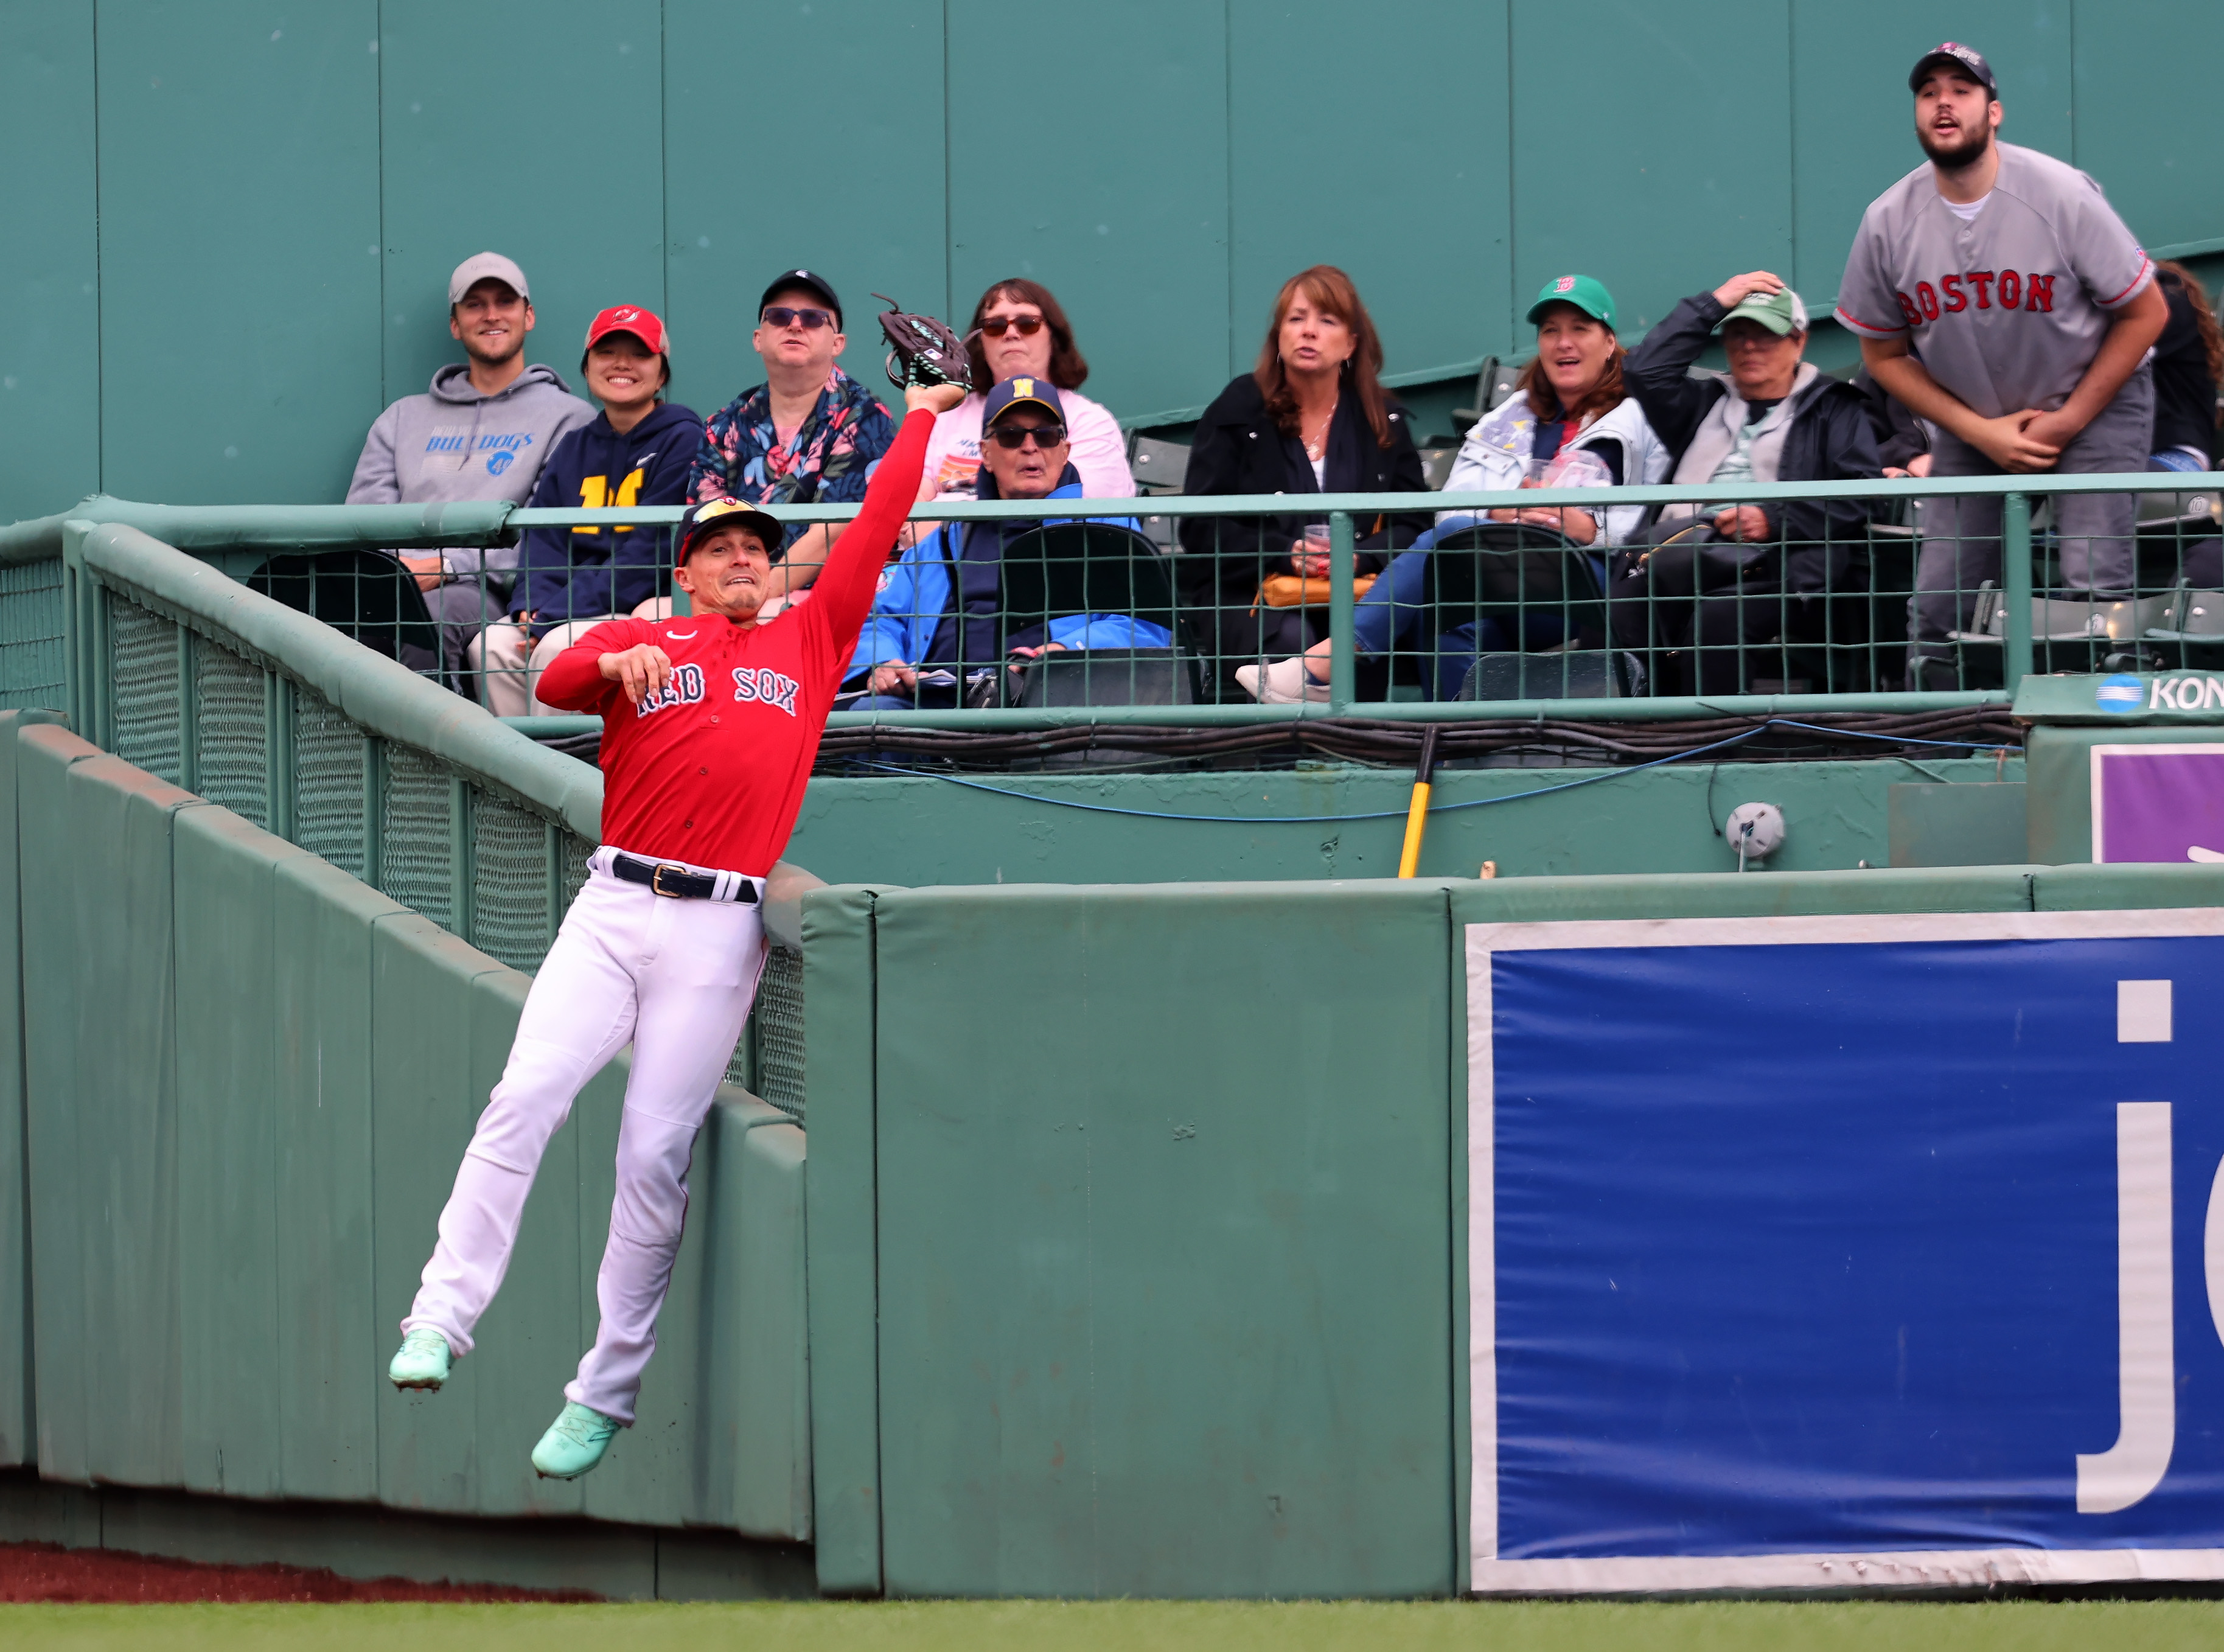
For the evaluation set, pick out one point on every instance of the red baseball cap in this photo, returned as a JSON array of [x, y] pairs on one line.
[[644, 325]]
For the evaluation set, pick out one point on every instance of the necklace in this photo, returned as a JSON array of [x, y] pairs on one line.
[[1316, 446]]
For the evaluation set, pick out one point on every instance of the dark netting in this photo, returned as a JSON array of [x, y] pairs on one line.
[[143, 677], [417, 853], [509, 882], [232, 748], [330, 755], [31, 635]]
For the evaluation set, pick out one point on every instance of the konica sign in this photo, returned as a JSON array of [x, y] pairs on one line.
[[1846, 1251], [2184, 691]]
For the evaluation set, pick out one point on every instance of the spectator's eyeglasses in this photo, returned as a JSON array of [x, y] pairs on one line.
[[997, 326], [779, 315], [1010, 437]]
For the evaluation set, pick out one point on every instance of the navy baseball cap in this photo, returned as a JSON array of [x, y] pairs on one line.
[[727, 513], [809, 283], [1022, 392], [1967, 59]]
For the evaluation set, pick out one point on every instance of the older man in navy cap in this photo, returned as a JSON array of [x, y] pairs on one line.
[[934, 631]]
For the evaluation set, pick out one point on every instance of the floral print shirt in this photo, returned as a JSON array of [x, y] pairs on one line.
[[833, 455]]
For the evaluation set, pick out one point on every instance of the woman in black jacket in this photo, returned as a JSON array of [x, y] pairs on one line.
[[1311, 417]]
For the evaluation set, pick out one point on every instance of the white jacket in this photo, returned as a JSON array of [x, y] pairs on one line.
[[1495, 455]]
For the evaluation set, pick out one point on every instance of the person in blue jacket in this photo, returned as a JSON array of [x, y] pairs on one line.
[[935, 621], [635, 451]]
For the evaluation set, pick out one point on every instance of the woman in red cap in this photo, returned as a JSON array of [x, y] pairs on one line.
[[636, 453]]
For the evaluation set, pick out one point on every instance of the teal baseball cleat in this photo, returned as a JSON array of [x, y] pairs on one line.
[[575, 1442], [421, 1361]]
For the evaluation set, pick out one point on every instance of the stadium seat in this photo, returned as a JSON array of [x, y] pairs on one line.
[[369, 597]]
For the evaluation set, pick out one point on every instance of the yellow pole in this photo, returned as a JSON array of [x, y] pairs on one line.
[[1417, 813]]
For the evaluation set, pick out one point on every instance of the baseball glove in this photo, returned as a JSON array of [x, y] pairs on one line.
[[929, 353]]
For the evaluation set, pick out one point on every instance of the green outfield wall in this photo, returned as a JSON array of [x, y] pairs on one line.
[[233, 221], [242, 1080]]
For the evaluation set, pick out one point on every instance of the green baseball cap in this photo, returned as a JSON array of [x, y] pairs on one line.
[[1781, 313], [1586, 293]]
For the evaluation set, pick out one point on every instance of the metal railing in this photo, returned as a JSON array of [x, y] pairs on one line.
[[1506, 621]]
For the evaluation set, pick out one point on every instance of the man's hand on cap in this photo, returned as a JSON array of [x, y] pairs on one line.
[[1735, 291]]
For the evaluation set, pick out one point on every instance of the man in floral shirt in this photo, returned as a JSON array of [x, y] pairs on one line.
[[810, 435]]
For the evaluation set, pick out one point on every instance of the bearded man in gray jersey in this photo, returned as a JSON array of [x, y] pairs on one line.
[[2031, 309]]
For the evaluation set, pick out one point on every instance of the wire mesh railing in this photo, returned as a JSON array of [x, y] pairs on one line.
[[1587, 600]]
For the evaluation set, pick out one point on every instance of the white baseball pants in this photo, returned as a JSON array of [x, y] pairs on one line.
[[673, 978]]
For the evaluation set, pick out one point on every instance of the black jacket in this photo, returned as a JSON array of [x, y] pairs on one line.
[[2185, 394], [1831, 440], [1237, 448]]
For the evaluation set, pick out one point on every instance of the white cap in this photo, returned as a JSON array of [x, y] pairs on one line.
[[485, 266]]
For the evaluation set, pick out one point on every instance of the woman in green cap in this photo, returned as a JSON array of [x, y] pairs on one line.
[[1569, 423]]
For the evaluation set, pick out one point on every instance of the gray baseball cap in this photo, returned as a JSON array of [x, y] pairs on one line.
[[486, 266], [1780, 312]]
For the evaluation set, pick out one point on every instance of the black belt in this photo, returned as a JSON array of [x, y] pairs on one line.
[[677, 881]]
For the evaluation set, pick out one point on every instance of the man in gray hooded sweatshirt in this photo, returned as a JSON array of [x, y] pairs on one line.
[[481, 432]]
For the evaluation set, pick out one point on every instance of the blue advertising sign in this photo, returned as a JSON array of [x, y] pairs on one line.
[[1846, 1251]]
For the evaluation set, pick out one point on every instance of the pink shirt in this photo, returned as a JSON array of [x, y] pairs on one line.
[[1099, 449]]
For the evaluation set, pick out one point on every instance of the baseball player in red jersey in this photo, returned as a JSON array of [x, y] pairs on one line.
[[1997, 295], [710, 725]]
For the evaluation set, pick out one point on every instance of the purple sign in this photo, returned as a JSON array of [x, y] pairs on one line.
[[2158, 803]]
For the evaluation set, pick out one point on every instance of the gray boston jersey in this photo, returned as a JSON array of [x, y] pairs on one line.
[[2007, 311]]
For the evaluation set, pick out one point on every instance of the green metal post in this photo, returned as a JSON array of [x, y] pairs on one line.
[[278, 720], [189, 714], [75, 641], [555, 878], [374, 811], [461, 861], [1342, 668], [2015, 583], [100, 723]]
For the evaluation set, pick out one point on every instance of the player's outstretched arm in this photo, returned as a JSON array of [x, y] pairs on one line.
[[844, 591]]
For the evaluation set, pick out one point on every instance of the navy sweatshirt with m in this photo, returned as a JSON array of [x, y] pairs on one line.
[[585, 572]]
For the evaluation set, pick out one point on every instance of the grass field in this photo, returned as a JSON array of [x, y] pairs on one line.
[[1134, 1626]]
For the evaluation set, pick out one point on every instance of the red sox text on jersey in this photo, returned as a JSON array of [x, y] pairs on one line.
[[760, 684]]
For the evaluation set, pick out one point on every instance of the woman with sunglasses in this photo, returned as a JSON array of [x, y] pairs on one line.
[[1019, 330]]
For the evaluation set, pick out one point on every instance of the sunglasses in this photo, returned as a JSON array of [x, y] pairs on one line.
[[1010, 437], [997, 326], [779, 315]]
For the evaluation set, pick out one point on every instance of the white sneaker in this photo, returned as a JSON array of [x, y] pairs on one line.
[[1285, 682]]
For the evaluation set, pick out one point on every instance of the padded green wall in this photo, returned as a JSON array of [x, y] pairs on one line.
[[246, 1081], [234, 218]]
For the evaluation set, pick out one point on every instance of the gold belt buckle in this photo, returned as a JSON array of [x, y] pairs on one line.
[[656, 880]]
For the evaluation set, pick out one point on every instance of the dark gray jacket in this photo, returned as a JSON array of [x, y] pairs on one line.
[[1830, 440]]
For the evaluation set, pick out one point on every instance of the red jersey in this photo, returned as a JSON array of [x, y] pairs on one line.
[[711, 769]]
